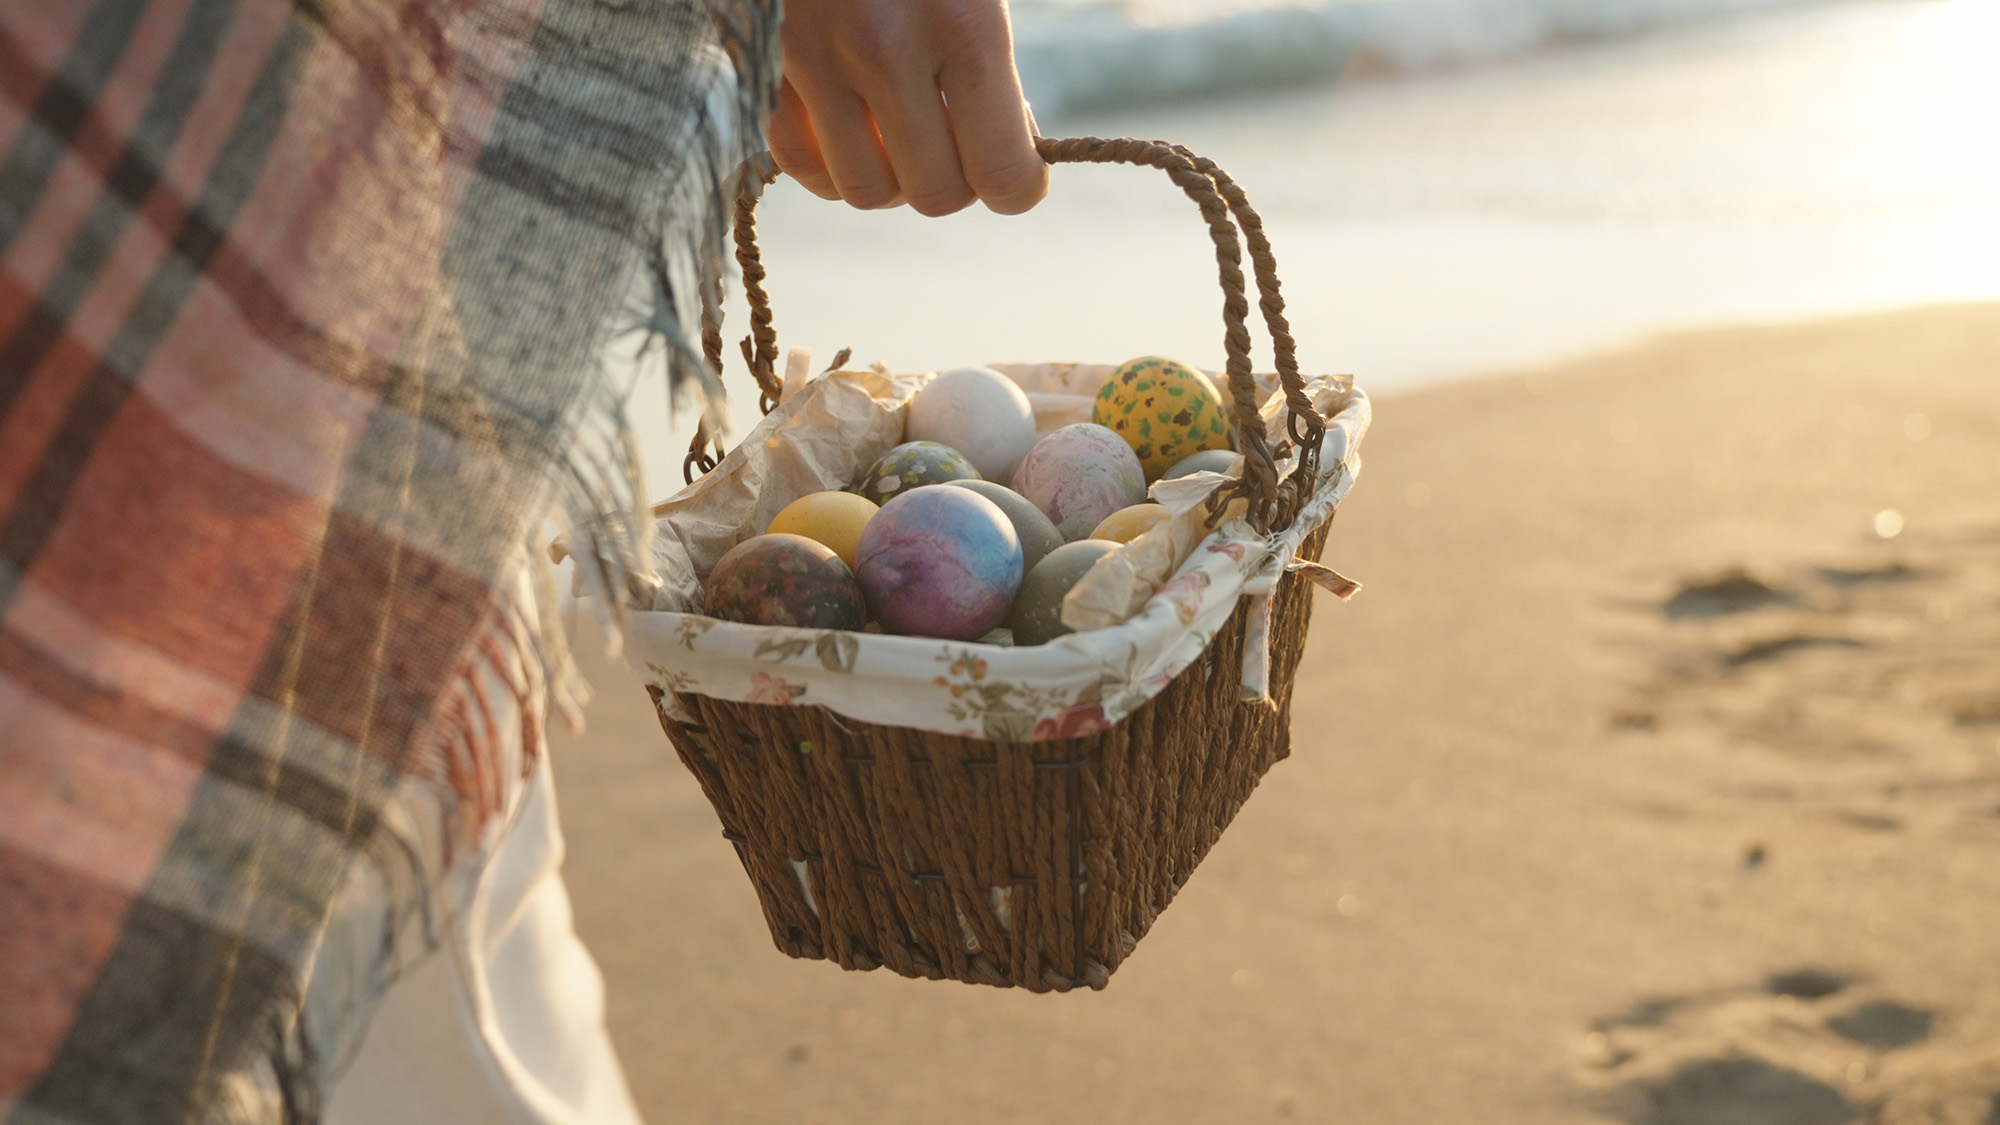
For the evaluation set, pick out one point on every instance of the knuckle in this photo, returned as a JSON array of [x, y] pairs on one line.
[[805, 53], [937, 202], [872, 196], [801, 163], [792, 154], [870, 46], [975, 29], [1017, 183]]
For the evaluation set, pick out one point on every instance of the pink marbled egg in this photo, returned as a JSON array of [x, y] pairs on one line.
[[1080, 474]]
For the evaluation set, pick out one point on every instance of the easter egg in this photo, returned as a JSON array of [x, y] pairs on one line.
[[1164, 408], [1038, 535], [783, 580], [939, 562], [979, 412], [1036, 617], [1079, 474], [1204, 461], [831, 518], [1127, 524], [910, 465]]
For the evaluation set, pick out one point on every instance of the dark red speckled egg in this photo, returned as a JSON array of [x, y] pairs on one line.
[[784, 580]]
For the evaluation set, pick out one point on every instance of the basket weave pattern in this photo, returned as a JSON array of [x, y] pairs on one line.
[[903, 836]]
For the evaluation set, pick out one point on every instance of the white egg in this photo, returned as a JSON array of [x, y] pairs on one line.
[[979, 412]]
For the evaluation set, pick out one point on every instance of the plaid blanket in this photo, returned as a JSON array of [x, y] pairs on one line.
[[310, 315]]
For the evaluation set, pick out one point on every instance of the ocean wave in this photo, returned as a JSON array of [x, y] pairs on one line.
[[1086, 55]]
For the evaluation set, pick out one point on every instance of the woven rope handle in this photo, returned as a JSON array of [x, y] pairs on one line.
[[1220, 200]]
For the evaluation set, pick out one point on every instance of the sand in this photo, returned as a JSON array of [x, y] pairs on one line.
[[1642, 783]]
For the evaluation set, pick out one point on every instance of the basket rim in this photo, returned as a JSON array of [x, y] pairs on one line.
[[1072, 685]]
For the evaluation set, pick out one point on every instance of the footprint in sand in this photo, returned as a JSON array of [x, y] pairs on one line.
[[1875, 675], [1809, 983], [1860, 696], [1806, 1046], [1733, 591], [1884, 1025], [1742, 1091]]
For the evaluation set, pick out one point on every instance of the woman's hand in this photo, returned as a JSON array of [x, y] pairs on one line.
[[887, 102]]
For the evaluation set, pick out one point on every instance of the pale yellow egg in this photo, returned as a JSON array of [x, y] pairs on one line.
[[1127, 524], [834, 519]]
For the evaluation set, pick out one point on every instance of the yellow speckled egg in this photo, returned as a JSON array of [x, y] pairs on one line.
[[832, 519], [1127, 524], [1164, 409]]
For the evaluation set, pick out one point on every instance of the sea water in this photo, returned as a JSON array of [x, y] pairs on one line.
[[1453, 187], [1088, 54]]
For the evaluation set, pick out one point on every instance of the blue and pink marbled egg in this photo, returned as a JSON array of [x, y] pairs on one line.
[[939, 562], [1078, 475]]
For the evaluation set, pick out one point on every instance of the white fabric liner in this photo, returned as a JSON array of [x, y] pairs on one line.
[[1174, 587]]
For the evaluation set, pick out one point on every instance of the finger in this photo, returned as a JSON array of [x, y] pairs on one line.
[[917, 137], [989, 119], [794, 146], [851, 148]]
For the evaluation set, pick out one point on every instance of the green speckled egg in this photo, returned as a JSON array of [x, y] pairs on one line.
[[783, 580], [911, 464], [1164, 409]]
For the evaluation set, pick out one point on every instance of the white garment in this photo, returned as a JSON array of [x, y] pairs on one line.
[[503, 1025]]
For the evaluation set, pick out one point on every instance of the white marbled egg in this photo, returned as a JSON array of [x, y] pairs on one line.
[[979, 412]]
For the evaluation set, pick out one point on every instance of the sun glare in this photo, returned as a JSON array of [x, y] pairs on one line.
[[1942, 95]]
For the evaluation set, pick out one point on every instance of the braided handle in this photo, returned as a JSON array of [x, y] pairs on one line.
[[1220, 200]]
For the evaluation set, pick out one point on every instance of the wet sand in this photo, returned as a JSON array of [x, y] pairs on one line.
[[1642, 783]]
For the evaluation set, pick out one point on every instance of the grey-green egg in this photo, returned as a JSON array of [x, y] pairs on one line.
[[1036, 616], [1206, 460]]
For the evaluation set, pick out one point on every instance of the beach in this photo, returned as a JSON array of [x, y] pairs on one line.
[[1653, 776], [1644, 781]]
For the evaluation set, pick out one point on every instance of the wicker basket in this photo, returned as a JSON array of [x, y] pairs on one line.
[[1036, 865]]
